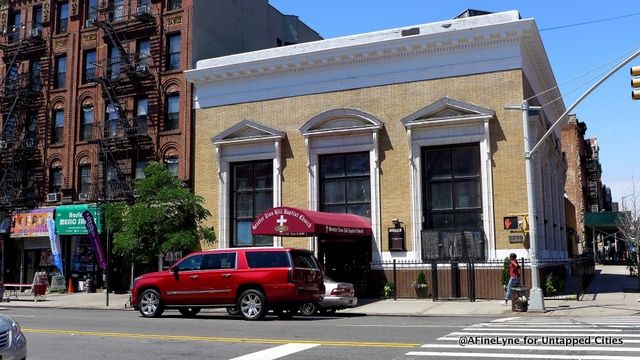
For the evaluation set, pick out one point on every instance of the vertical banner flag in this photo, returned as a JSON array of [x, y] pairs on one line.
[[55, 244], [95, 238]]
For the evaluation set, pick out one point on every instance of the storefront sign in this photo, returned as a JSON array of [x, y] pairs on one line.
[[69, 220], [31, 223]]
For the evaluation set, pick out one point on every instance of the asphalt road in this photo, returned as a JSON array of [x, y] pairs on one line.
[[56, 334]]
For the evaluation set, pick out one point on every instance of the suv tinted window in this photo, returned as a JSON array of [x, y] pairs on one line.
[[191, 263], [219, 261], [267, 259], [303, 260]]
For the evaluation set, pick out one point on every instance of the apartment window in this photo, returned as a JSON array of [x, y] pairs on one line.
[[58, 127], [86, 126], [92, 12], [30, 183], [112, 120], [114, 63], [35, 70], [173, 51], [61, 72], [143, 48], [172, 111], [14, 26], [345, 184], [63, 17], [140, 166], [251, 194], [89, 66], [452, 188], [84, 179], [31, 127], [36, 20], [172, 164], [12, 78], [55, 180], [174, 4], [142, 114], [117, 10]]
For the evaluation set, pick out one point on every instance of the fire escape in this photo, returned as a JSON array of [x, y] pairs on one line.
[[125, 136], [21, 166]]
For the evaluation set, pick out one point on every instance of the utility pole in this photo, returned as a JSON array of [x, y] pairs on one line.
[[536, 298]]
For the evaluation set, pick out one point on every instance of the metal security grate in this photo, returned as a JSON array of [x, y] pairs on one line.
[[4, 339]]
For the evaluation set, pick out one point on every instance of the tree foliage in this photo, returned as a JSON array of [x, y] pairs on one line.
[[629, 226], [165, 217]]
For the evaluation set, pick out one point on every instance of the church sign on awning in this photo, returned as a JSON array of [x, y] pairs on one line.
[[288, 221]]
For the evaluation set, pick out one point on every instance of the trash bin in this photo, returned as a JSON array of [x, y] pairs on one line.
[[519, 298]]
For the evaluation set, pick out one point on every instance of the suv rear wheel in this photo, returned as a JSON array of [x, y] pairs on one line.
[[252, 305], [150, 303], [308, 309], [189, 311]]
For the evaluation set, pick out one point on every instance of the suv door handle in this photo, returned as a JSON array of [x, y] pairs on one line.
[[226, 276], [193, 277]]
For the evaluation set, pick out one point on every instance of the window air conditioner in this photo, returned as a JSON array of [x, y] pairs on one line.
[[83, 196], [143, 10], [3, 144], [37, 32], [53, 197], [90, 22]]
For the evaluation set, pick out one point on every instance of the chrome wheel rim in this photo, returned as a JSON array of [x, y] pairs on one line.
[[308, 309], [251, 305], [149, 303]]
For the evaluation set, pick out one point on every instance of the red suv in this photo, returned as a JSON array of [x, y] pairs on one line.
[[248, 281]]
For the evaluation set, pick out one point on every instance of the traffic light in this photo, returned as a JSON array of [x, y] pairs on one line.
[[635, 82]]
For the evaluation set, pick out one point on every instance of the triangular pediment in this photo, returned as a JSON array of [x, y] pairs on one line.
[[448, 109], [247, 130], [340, 120]]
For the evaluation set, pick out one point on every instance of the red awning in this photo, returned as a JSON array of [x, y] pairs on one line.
[[288, 221]]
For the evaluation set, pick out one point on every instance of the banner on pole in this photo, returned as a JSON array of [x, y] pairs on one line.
[[55, 244], [92, 231]]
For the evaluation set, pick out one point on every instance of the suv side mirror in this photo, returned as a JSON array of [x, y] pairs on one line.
[[174, 269]]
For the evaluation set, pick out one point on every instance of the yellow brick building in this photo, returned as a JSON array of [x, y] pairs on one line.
[[419, 116]]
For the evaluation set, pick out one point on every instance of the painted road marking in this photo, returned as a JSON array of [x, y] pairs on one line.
[[276, 352], [505, 319], [220, 339], [515, 356]]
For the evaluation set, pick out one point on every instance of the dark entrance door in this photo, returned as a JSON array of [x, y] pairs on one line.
[[347, 260]]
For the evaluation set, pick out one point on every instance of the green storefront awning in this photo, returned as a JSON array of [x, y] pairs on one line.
[[69, 220], [604, 219]]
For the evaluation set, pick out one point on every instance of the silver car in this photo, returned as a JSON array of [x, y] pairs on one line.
[[13, 343], [337, 296]]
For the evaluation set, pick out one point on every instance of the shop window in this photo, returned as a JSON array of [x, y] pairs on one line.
[[452, 188], [58, 127], [251, 194], [345, 184]]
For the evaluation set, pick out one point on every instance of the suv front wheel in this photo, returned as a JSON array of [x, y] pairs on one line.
[[252, 305], [150, 303]]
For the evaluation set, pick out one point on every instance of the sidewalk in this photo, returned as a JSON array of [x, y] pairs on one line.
[[605, 296]]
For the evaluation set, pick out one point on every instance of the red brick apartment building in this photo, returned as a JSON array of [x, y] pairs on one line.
[[93, 90]]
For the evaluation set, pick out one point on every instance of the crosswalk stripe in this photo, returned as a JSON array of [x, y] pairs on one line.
[[515, 356], [276, 352], [537, 334], [538, 329], [535, 347]]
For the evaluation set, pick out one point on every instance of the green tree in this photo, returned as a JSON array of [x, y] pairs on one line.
[[165, 216]]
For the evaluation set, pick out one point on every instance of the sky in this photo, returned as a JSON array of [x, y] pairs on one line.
[[583, 40]]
